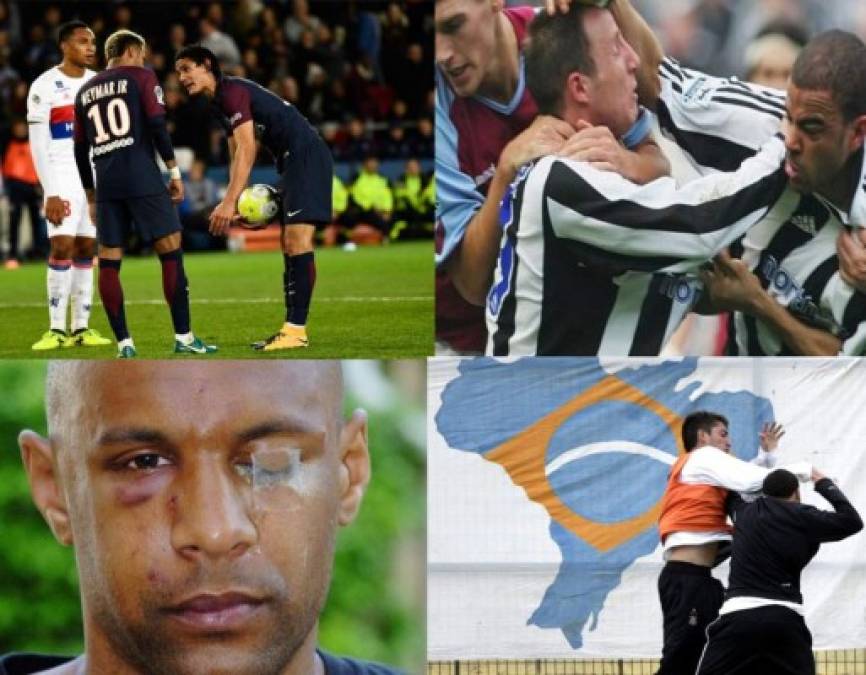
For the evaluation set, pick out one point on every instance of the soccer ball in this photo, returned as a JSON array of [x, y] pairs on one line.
[[258, 205]]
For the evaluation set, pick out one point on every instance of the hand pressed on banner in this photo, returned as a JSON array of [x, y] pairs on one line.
[[770, 435]]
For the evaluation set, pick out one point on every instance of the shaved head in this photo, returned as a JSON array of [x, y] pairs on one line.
[[66, 386]]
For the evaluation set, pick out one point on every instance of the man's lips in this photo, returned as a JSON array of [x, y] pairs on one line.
[[217, 611], [456, 73]]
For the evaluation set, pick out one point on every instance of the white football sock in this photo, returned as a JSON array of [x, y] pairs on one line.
[[59, 288], [82, 295]]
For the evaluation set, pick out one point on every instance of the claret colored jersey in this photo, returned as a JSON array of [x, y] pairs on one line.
[[278, 124], [120, 116]]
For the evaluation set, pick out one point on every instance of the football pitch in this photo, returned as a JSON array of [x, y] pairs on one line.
[[374, 302]]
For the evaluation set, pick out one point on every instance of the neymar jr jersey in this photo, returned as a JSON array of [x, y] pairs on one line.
[[51, 101], [277, 123], [117, 113]]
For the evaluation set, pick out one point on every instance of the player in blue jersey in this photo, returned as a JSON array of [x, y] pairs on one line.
[[120, 117], [248, 111]]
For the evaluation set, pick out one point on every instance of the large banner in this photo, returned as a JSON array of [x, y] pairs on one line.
[[545, 479]]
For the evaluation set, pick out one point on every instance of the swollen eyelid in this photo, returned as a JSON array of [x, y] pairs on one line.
[[277, 466]]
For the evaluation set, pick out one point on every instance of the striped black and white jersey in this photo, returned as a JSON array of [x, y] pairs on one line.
[[793, 253], [717, 122], [591, 263]]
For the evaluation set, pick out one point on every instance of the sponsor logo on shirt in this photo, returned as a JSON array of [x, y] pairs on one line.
[[234, 118], [782, 285], [698, 93], [61, 121], [805, 222], [160, 98], [681, 289]]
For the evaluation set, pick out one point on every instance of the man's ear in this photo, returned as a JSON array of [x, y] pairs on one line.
[[354, 467], [859, 133], [44, 484], [575, 88]]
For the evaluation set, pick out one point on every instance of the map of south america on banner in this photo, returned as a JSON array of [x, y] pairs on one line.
[[545, 479]]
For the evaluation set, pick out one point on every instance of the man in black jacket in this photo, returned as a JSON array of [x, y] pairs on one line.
[[760, 629]]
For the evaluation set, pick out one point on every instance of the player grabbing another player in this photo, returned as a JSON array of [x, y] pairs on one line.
[[761, 628], [120, 115], [693, 525], [50, 112], [247, 110]]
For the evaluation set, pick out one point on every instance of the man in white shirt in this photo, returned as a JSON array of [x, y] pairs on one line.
[[693, 524], [50, 113]]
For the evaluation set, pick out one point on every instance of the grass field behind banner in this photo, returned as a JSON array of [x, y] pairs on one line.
[[370, 303]]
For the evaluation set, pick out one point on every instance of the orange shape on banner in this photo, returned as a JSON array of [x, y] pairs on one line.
[[523, 458]]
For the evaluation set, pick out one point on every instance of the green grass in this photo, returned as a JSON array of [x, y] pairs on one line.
[[371, 303]]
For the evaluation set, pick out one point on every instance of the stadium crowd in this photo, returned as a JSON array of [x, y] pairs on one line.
[[361, 72]]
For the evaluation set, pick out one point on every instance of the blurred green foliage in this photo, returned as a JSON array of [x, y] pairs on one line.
[[375, 608]]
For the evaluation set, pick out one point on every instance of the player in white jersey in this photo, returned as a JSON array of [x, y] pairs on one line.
[[50, 113]]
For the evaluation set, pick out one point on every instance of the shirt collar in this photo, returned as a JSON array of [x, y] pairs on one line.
[[858, 205]]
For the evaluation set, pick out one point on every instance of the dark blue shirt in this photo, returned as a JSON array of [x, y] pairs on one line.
[[26, 664], [278, 124], [120, 115]]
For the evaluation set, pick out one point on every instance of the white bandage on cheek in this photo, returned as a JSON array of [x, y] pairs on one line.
[[276, 477]]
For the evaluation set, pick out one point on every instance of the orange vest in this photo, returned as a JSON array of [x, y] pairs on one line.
[[18, 163], [691, 508]]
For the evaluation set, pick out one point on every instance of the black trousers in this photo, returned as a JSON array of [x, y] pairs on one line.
[[771, 640], [690, 597]]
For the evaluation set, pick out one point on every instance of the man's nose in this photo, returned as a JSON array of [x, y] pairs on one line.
[[212, 512]]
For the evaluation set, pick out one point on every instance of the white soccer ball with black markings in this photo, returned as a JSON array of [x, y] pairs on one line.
[[258, 205]]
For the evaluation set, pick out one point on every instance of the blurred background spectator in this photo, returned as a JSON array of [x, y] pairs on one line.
[[770, 57], [715, 35], [366, 216], [22, 187], [355, 69]]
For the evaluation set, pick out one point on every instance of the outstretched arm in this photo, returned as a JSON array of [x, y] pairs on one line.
[[842, 522], [709, 466], [471, 263], [242, 146], [658, 226]]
